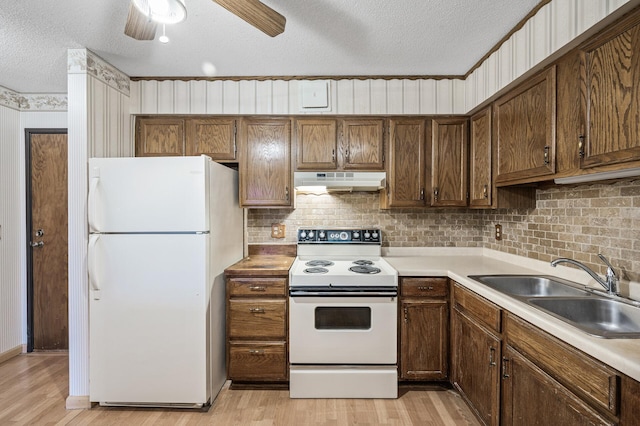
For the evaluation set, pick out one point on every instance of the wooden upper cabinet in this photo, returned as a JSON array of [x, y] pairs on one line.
[[406, 178], [215, 137], [480, 162], [611, 69], [449, 162], [160, 136], [265, 163], [316, 144], [363, 144], [524, 123]]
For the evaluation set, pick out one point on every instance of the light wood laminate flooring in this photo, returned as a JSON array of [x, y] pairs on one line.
[[33, 389]]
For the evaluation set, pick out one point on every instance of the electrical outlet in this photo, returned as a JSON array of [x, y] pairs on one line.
[[498, 232], [277, 230]]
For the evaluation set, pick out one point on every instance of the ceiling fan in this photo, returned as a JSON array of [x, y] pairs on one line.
[[141, 26]]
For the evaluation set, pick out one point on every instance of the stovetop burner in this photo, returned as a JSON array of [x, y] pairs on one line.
[[316, 270], [362, 262], [364, 269], [319, 263]]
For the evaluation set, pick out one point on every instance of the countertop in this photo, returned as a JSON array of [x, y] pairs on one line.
[[457, 263], [261, 265]]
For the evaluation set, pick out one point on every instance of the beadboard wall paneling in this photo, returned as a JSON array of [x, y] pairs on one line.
[[99, 125], [11, 298]]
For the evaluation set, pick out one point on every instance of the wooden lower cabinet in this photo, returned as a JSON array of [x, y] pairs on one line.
[[532, 397], [476, 367], [257, 329], [424, 329]]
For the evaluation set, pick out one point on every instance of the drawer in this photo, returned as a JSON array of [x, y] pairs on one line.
[[257, 318], [588, 378], [477, 307], [424, 287], [259, 361], [256, 287]]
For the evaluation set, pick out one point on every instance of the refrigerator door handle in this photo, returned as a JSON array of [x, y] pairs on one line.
[[91, 202], [91, 265]]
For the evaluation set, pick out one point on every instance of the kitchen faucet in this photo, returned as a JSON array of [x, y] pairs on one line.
[[611, 282]]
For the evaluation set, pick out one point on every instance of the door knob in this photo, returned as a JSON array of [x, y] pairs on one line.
[[36, 244]]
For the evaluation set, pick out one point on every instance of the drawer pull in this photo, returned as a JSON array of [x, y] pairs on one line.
[[258, 288], [505, 374], [256, 310], [425, 287], [256, 351], [492, 361]]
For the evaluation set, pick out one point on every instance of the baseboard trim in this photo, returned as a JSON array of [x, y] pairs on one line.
[[78, 402], [7, 355]]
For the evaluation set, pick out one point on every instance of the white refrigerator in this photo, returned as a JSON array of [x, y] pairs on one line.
[[162, 231]]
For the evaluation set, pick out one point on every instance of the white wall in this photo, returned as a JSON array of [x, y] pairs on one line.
[[553, 28]]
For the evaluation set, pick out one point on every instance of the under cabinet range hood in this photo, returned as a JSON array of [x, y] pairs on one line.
[[339, 181]]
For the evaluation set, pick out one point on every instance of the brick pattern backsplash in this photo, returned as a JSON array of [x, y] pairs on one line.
[[569, 221]]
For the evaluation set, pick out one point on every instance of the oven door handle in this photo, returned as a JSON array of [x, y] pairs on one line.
[[301, 293]]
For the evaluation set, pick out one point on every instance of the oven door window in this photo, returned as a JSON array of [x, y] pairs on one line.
[[342, 318]]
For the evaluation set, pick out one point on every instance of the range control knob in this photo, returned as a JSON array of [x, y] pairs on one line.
[[303, 235], [367, 234], [356, 234], [374, 235], [311, 234], [321, 234]]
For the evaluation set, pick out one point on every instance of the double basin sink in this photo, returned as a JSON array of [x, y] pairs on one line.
[[584, 309]]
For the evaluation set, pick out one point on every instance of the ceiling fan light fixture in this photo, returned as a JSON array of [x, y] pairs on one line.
[[163, 11]]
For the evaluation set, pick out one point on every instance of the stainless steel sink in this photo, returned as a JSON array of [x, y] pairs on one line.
[[529, 285], [594, 315]]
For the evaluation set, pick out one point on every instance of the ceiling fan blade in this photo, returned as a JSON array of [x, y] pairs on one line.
[[257, 14], [139, 26]]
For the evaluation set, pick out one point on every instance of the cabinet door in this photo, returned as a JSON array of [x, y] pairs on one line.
[[159, 137], [406, 163], [525, 121], [265, 173], [476, 367], [480, 186], [423, 352], [316, 144], [530, 396], [449, 162], [215, 137], [612, 71], [363, 144]]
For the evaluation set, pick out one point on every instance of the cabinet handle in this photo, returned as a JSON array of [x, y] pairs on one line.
[[436, 192], [492, 352], [346, 155], [485, 191], [256, 310], [258, 288], [333, 155], [581, 146], [425, 287], [422, 194], [406, 315], [546, 155], [286, 193], [505, 361], [256, 351]]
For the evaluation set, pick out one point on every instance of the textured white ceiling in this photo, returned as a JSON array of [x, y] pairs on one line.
[[322, 37]]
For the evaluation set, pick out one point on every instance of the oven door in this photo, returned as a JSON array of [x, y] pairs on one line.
[[343, 329]]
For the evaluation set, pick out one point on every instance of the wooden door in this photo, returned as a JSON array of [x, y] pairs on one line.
[[316, 144], [265, 163], [532, 397], [48, 240], [476, 367], [525, 130], [424, 330], [215, 137], [407, 163], [159, 136], [363, 144], [480, 183], [449, 162], [612, 71]]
